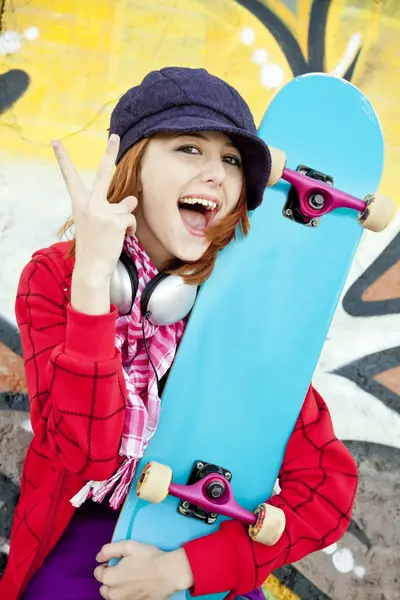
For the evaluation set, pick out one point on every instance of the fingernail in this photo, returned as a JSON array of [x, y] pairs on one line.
[[114, 138], [54, 143]]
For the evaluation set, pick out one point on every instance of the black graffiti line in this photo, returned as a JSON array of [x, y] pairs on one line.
[[316, 35], [350, 71], [299, 584], [288, 43], [2, 13], [15, 401], [363, 371], [281, 33], [353, 303], [317, 40], [359, 534], [13, 85]]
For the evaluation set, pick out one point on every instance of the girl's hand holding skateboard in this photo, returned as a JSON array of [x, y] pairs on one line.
[[143, 573]]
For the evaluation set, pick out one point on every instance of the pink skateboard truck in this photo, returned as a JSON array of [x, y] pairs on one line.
[[213, 494], [312, 195]]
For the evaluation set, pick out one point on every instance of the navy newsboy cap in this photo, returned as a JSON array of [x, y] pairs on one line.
[[176, 99]]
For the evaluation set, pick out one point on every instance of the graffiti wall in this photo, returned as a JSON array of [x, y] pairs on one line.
[[63, 65]]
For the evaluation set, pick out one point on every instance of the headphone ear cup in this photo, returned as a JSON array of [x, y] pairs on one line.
[[167, 299], [148, 290], [124, 285]]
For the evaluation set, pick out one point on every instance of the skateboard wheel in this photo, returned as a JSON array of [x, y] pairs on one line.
[[153, 483], [269, 526], [378, 213], [278, 163]]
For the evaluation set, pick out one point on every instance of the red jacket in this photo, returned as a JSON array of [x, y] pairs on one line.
[[77, 398]]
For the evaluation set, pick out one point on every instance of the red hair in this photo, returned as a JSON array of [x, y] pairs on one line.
[[125, 182]]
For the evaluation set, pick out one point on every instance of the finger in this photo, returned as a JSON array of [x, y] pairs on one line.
[[115, 550], [109, 576], [131, 225], [128, 221], [126, 206], [131, 231], [105, 592], [99, 572], [106, 168], [74, 184], [131, 202]]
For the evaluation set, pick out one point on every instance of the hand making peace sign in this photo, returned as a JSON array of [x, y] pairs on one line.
[[100, 227]]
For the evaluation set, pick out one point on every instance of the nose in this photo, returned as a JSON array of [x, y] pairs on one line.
[[214, 171]]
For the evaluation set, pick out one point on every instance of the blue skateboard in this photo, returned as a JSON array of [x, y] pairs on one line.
[[256, 332]]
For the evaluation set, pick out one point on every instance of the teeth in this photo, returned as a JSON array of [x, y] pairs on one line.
[[209, 204]]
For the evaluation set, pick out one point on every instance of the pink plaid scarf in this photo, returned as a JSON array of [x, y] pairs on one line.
[[143, 402]]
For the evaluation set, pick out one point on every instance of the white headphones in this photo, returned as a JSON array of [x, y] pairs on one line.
[[165, 300]]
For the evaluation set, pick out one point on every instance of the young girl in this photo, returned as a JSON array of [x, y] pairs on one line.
[[189, 167]]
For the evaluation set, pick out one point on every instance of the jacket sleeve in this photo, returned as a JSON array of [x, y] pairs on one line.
[[73, 373], [318, 481]]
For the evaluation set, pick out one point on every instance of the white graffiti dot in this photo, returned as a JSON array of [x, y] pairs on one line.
[[272, 75], [343, 560], [5, 548], [26, 425], [248, 36], [10, 42], [260, 56], [359, 572], [330, 549], [32, 33]]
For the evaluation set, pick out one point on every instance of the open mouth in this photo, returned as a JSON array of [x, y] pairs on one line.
[[197, 213]]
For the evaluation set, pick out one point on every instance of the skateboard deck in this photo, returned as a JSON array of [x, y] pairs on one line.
[[256, 332]]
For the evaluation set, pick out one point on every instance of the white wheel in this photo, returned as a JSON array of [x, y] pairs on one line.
[[270, 525], [278, 163], [153, 483], [378, 214]]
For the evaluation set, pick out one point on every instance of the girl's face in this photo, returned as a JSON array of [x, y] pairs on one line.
[[187, 181]]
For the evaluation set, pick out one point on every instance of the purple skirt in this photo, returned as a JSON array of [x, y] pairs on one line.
[[67, 573]]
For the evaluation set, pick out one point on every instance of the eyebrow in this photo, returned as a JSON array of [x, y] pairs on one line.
[[202, 137]]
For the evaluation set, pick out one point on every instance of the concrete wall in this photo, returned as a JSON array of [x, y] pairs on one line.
[[63, 65]]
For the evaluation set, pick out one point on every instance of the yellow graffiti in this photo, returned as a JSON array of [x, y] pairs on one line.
[[275, 590], [88, 54]]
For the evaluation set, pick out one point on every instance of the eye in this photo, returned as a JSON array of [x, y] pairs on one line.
[[233, 160], [189, 149]]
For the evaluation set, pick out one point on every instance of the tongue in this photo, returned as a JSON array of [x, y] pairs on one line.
[[193, 218]]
